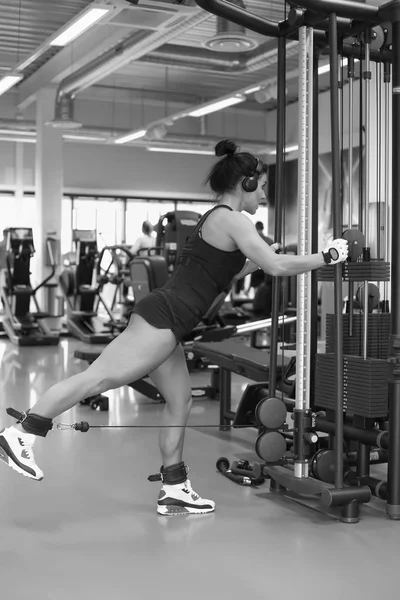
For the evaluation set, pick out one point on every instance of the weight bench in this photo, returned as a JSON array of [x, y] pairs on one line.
[[232, 356]]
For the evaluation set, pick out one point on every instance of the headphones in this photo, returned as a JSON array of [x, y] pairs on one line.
[[249, 184]]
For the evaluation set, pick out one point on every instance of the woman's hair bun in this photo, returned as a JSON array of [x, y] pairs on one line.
[[225, 147]]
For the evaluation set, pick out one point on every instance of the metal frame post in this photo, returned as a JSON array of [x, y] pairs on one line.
[[279, 196], [393, 503], [337, 232]]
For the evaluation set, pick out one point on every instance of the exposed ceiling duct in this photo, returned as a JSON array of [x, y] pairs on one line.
[[230, 37], [64, 114], [140, 44], [14, 130], [132, 48], [197, 58]]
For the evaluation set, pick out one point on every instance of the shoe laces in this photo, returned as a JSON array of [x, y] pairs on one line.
[[28, 447], [188, 487]]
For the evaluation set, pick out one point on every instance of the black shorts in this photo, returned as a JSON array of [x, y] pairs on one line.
[[163, 309]]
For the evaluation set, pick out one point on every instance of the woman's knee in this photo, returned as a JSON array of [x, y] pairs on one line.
[[181, 404], [98, 384]]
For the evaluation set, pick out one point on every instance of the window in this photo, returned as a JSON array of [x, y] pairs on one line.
[[138, 211], [198, 207], [105, 216]]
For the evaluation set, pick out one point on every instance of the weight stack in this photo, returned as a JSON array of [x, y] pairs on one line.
[[365, 385], [379, 328], [358, 271]]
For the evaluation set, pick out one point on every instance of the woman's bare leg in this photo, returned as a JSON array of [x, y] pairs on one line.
[[176, 495], [138, 350], [173, 382]]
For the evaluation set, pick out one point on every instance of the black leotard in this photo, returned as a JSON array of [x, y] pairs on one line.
[[201, 274]]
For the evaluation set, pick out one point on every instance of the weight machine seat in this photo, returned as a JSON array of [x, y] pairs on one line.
[[234, 356], [81, 314], [230, 354], [89, 353]]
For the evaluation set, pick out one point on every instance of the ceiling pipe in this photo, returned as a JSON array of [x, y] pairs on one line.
[[129, 49], [184, 140], [170, 119], [141, 44], [197, 58], [240, 16]]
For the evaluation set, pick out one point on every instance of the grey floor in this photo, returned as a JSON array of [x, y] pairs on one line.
[[90, 530]]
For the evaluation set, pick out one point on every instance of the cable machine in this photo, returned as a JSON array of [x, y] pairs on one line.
[[355, 397]]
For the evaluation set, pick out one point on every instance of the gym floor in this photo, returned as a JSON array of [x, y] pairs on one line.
[[90, 528]]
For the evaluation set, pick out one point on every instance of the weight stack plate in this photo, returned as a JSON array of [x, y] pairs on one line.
[[379, 328], [358, 271], [365, 385]]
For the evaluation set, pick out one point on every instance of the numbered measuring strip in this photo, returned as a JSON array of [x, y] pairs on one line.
[[303, 334]]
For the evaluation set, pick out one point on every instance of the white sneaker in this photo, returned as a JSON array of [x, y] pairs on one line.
[[16, 450], [181, 499]]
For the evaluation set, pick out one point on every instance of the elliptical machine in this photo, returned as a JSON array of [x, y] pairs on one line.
[[24, 328], [82, 293]]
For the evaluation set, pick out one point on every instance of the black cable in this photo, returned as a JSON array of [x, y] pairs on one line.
[[169, 426]]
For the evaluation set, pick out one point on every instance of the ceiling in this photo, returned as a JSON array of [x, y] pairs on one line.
[[152, 50]]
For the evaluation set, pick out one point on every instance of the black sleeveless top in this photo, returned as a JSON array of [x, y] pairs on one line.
[[203, 271]]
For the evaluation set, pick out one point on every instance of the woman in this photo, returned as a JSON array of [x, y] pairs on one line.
[[223, 246]]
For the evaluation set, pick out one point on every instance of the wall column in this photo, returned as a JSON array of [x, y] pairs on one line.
[[48, 183]]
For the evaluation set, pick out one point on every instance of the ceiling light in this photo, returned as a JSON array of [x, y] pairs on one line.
[[326, 68], [24, 140], [20, 132], [291, 148], [253, 89], [181, 150], [79, 26], [8, 82], [214, 106], [83, 138], [131, 136]]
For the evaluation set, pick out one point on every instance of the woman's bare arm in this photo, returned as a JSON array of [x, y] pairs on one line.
[[248, 268], [245, 236]]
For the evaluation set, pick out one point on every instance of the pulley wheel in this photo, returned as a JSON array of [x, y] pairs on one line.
[[377, 38], [373, 296], [271, 412], [271, 446], [356, 241]]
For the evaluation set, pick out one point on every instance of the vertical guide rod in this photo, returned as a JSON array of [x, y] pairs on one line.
[[279, 196], [367, 172], [337, 232], [387, 170], [303, 332], [350, 72]]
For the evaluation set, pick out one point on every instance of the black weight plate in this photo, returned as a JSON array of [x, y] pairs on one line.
[[271, 446], [271, 412]]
